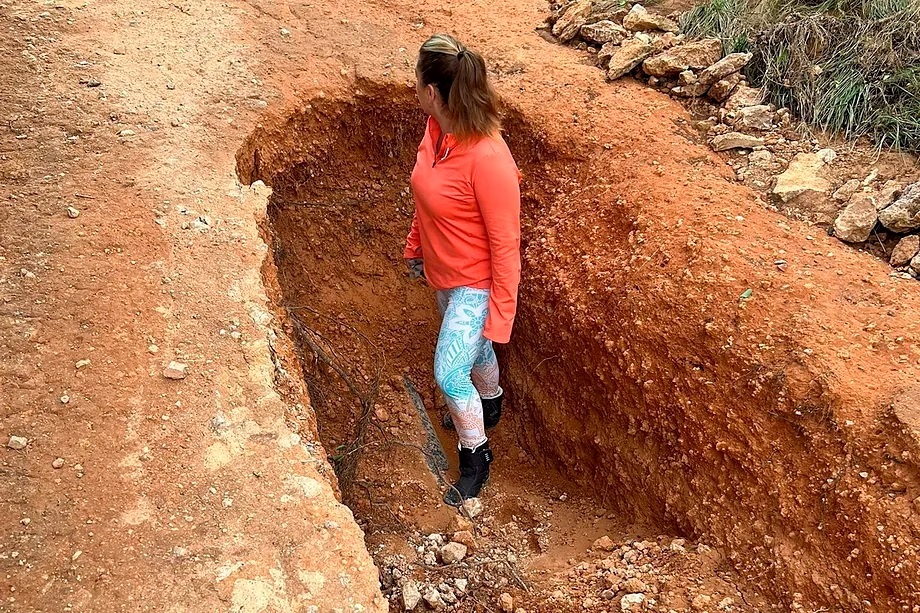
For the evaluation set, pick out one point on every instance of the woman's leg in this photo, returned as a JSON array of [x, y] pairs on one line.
[[460, 344], [485, 373]]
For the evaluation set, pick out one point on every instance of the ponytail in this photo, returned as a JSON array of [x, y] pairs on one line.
[[460, 76]]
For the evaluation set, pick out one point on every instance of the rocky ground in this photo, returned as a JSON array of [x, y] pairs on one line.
[[866, 198]]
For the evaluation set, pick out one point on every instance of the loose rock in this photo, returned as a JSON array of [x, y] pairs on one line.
[[735, 140], [472, 507], [82, 364], [758, 117], [72, 212], [640, 20], [846, 191], [17, 442], [729, 64], [905, 251], [176, 370], [804, 188], [904, 214], [411, 595], [604, 32], [571, 21], [722, 89], [632, 602], [626, 57], [701, 602], [915, 265], [464, 537], [434, 599], [452, 553], [57, 463], [506, 602], [855, 223], [696, 55], [604, 544], [634, 586], [743, 96]]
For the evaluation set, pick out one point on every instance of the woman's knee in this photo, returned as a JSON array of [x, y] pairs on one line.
[[452, 382]]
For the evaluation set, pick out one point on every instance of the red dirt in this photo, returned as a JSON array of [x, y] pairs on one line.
[[635, 364]]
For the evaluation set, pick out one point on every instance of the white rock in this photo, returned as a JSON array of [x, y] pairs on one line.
[[632, 602], [452, 553], [433, 599], [72, 212], [411, 596], [472, 507], [176, 370], [57, 463], [17, 442], [82, 364]]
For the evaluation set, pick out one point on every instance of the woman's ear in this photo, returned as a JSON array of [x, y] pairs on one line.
[[434, 98]]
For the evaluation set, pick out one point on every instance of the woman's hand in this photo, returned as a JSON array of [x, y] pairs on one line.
[[416, 268]]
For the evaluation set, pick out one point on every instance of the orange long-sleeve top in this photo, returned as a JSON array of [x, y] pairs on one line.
[[467, 223]]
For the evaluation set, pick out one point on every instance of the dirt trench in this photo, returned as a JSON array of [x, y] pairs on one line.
[[624, 392]]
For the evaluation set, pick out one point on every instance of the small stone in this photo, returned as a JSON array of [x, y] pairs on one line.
[[627, 56], [855, 223], [411, 595], [82, 364], [687, 77], [604, 32], [915, 265], [846, 191], [608, 594], [459, 523], [152, 348], [604, 544], [126, 132], [176, 370], [170, 86], [57, 463], [472, 507], [65, 399], [758, 117], [701, 602], [72, 212], [735, 140], [430, 558], [285, 32], [903, 215], [434, 599], [726, 603], [640, 20], [76, 555], [381, 414], [634, 586], [729, 64], [632, 602], [696, 55], [572, 19], [461, 584], [119, 51], [25, 521], [453, 553], [435, 539], [464, 537], [723, 88], [17, 442], [506, 602], [905, 251]]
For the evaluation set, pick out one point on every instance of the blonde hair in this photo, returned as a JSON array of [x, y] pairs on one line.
[[459, 74]]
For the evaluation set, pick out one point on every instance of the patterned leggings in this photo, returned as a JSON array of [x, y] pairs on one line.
[[465, 366]]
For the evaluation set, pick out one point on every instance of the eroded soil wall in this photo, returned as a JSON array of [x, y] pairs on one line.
[[637, 366]]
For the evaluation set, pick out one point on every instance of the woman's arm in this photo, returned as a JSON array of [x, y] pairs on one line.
[[496, 184], [413, 248]]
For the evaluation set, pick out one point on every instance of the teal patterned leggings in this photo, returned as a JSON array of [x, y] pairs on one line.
[[465, 366]]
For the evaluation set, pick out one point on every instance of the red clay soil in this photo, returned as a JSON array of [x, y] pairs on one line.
[[781, 427]]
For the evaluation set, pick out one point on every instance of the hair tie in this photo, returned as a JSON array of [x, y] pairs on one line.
[[461, 53]]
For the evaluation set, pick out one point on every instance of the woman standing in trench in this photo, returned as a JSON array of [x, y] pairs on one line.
[[465, 241]]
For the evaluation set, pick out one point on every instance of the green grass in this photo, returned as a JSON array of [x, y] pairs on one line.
[[851, 66]]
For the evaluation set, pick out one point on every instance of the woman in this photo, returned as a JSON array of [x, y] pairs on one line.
[[465, 240]]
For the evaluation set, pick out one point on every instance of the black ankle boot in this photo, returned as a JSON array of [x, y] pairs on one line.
[[491, 413], [474, 472]]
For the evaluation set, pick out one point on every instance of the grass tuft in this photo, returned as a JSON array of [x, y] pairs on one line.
[[851, 66]]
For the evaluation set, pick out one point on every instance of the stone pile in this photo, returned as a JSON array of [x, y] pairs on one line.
[[635, 41]]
